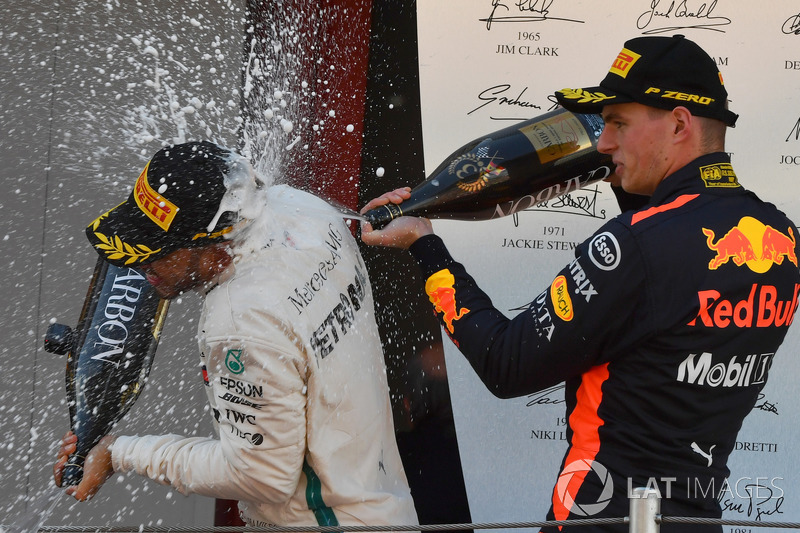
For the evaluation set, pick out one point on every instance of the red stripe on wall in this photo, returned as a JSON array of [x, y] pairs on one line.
[[334, 45], [337, 68]]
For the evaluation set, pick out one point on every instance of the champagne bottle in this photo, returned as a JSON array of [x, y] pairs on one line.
[[109, 354], [509, 170]]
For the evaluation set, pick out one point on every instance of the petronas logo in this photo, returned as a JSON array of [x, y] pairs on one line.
[[233, 361]]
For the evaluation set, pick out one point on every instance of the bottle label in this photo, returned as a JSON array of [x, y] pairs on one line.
[[557, 136]]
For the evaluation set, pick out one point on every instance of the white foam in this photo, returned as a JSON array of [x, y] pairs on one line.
[[245, 193]]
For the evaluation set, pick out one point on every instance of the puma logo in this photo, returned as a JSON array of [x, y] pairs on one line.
[[696, 449]]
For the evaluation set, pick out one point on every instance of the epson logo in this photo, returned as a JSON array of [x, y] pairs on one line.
[[242, 387], [752, 370]]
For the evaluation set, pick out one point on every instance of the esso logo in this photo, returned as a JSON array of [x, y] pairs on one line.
[[604, 251]]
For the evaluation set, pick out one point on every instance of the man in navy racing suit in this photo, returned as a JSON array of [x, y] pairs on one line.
[[665, 325]]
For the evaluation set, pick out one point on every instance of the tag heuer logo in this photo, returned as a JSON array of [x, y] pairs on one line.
[[233, 361]]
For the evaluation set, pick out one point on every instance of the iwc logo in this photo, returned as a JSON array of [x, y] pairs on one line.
[[566, 489]]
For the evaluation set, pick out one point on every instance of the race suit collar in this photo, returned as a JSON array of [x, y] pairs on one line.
[[709, 173]]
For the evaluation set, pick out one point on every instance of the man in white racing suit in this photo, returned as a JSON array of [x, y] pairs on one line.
[[291, 358]]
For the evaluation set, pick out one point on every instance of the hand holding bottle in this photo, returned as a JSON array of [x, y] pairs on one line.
[[96, 469], [401, 232]]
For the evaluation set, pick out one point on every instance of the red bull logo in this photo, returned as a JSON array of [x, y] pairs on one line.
[[442, 294], [752, 243], [763, 308]]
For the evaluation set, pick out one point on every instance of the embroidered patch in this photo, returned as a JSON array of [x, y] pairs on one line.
[[719, 175], [157, 208], [585, 97], [624, 61], [116, 248], [562, 303], [442, 294], [233, 361]]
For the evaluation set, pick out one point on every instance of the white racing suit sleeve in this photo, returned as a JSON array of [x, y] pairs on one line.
[[257, 393], [164, 453]]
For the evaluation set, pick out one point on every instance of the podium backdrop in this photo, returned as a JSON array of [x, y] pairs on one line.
[[485, 64]]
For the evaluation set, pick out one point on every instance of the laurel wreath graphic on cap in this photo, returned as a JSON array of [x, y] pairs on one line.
[[96, 221], [115, 248], [584, 97]]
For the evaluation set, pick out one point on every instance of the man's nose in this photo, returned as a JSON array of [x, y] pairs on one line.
[[604, 143]]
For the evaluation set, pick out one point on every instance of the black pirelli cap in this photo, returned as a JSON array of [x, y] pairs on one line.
[[662, 72], [173, 201]]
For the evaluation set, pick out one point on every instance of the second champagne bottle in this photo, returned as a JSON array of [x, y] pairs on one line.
[[509, 170]]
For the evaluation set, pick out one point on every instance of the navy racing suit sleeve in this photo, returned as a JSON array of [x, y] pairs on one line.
[[596, 306]]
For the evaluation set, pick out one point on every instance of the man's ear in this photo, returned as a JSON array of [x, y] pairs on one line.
[[683, 121]]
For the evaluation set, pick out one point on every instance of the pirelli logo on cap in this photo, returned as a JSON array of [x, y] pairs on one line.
[[157, 208], [624, 61], [683, 97]]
